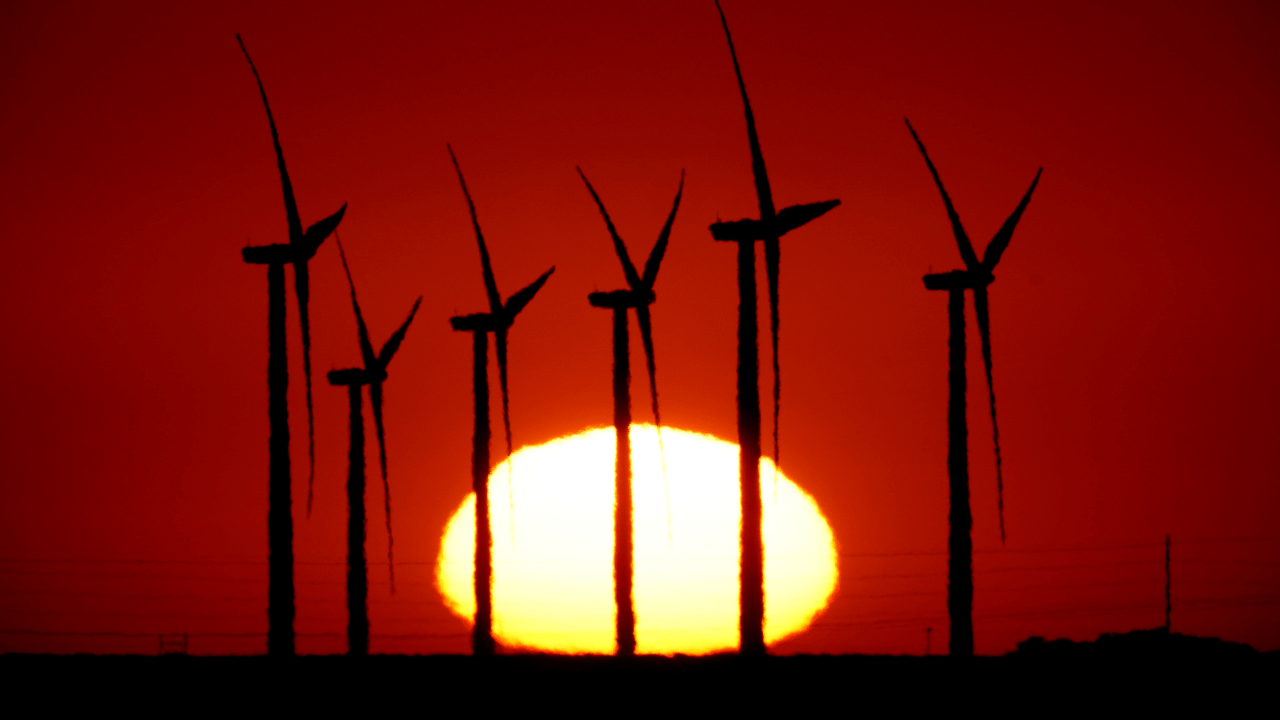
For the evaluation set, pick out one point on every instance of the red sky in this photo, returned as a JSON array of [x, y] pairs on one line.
[[1134, 316]]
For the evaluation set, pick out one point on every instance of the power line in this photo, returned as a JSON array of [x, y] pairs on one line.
[[201, 598], [1044, 568], [1215, 583], [131, 561], [139, 561], [111, 633], [134, 596], [64, 568], [1226, 562], [1232, 602], [338, 563], [141, 616], [1254, 538], [338, 619], [191, 578], [1025, 568], [1062, 586]]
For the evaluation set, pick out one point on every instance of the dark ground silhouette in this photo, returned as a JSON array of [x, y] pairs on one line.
[[497, 321], [976, 277], [1157, 643], [769, 228], [373, 374], [1102, 675], [638, 297], [302, 247]]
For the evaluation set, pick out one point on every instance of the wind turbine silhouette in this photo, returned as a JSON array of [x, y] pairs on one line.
[[639, 297], [497, 321], [301, 247], [976, 276], [769, 228], [373, 374]]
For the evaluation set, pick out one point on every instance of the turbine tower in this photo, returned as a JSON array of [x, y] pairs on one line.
[[639, 297], [373, 374], [976, 276], [769, 228], [497, 321], [301, 247]]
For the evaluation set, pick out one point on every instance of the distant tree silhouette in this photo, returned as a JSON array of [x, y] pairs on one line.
[[769, 228], [373, 374], [497, 321], [976, 277], [638, 297], [301, 247]]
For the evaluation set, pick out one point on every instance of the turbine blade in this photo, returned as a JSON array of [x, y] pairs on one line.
[[375, 399], [980, 307], [514, 305], [393, 343], [793, 217], [646, 336], [962, 239], [500, 346], [490, 285], [290, 204], [516, 302], [772, 260], [763, 193], [366, 348], [627, 268], [302, 286], [660, 247], [1000, 242], [317, 233]]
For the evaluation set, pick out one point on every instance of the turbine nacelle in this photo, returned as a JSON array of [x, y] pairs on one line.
[[284, 254], [477, 322], [355, 376], [958, 280], [621, 299], [268, 254]]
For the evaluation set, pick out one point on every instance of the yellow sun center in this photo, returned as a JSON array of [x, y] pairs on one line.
[[553, 558]]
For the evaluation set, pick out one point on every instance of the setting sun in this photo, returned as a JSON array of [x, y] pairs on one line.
[[553, 571]]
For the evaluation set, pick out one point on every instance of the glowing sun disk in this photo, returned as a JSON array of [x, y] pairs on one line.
[[553, 561]]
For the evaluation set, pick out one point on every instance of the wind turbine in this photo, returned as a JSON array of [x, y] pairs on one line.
[[301, 247], [769, 228], [497, 321], [639, 297], [976, 276], [373, 374]]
